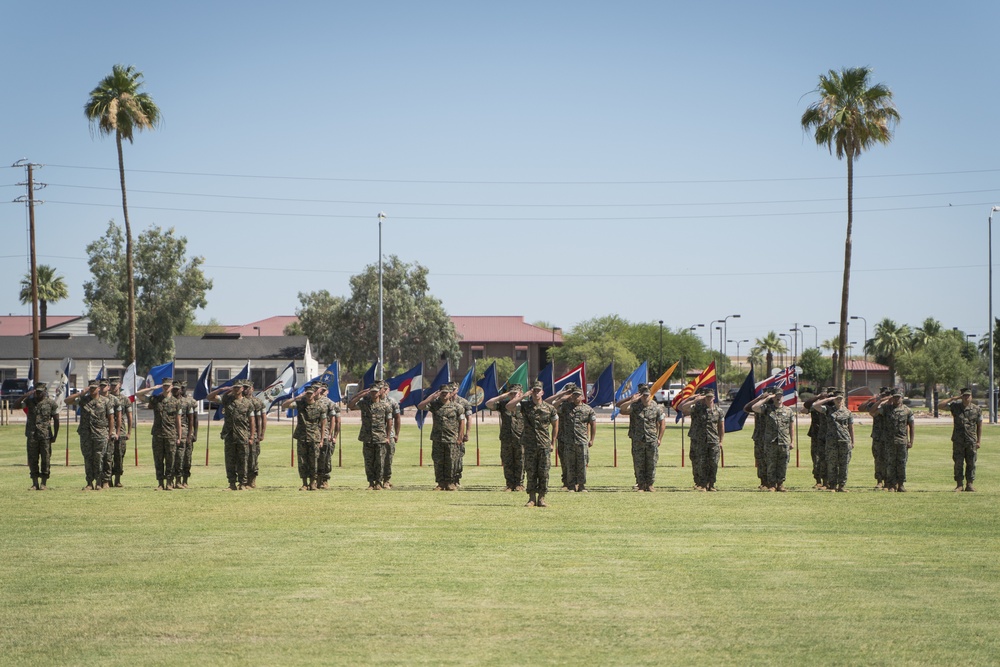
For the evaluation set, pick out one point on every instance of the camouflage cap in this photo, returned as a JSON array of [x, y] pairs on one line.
[[966, 391], [103, 383], [838, 393], [537, 384], [91, 384], [181, 384], [166, 381], [706, 391], [114, 380], [830, 390], [40, 386], [897, 392], [517, 386], [320, 385], [570, 387], [641, 386]]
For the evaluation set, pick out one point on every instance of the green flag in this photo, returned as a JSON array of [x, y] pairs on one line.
[[519, 376]]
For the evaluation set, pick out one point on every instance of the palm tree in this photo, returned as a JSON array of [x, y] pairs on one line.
[[926, 332], [769, 345], [890, 340], [755, 357], [117, 106], [50, 288], [851, 116]]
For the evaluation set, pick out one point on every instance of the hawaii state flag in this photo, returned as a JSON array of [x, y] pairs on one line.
[[786, 380], [406, 387]]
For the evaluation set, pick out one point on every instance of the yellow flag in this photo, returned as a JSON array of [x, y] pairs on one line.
[[658, 385]]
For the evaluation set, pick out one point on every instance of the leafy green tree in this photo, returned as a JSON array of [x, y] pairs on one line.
[[850, 116], [170, 287], [816, 368], [118, 106], [505, 366], [925, 333], [938, 361], [416, 326], [888, 342], [51, 288], [200, 329]]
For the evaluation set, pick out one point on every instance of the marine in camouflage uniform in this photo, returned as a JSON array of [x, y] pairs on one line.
[[541, 431], [375, 430], [577, 428], [458, 457], [778, 421], [166, 431], [966, 436], [707, 432], [40, 429], [447, 433], [187, 411], [260, 424], [96, 425], [839, 439], [511, 427], [817, 437], [879, 443], [242, 432], [310, 433], [647, 420], [390, 451], [758, 443], [897, 437], [332, 416], [114, 460]]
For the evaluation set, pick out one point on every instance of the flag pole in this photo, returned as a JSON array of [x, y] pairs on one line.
[[67, 431]]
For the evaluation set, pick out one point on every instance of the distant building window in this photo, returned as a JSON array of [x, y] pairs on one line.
[[520, 353], [476, 352], [222, 375]]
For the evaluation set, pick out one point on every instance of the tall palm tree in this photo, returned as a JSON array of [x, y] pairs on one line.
[[889, 341], [850, 116], [50, 288], [118, 106], [769, 345], [926, 332]]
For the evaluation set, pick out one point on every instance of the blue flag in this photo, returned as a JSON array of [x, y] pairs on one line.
[[604, 388], [631, 384], [577, 376], [155, 375], [466, 386], [442, 378], [735, 416], [104, 371], [244, 374], [545, 377], [201, 389], [406, 387], [331, 377], [368, 379], [487, 388]]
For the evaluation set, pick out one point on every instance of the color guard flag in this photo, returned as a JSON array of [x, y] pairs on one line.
[[735, 416], [577, 376], [130, 382], [545, 377], [786, 380], [368, 379], [442, 378], [201, 389], [631, 384], [519, 376], [466, 386], [705, 379], [405, 388], [284, 384], [658, 385], [155, 376], [330, 377], [604, 388], [486, 389]]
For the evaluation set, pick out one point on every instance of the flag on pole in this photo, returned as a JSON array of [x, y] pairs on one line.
[[66, 367], [466, 386], [104, 371], [31, 375], [735, 416], [330, 377], [604, 388], [284, 384], [786, 380], [519, 376], [201, 390], [658, 385], [405, 387], [155, 376], [486, 389], [578, 376], [705, 379], [244, 374], [130, 382], [545, 377], [442, 378], [368, 379], [631, 384]]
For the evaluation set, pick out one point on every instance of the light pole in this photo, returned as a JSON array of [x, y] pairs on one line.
[[725, 330], [381, 331], [865, 345], [787, 348], [745, 340], [257, 329], [815, 333], [659, 370], [989, 243]]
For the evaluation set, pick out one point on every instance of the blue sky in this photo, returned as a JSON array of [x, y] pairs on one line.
[[557, 160]]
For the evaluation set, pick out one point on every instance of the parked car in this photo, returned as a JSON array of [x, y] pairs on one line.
[[13, 389], [670, 392], [731, 394]]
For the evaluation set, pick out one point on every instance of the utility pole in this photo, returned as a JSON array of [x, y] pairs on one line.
[[30, 199]]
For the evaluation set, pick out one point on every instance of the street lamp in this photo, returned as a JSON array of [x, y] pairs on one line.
[[257, 329], [865, 348], [989, 243], [725, 330], [381, 330], [815, 333], [745, 340], [787, 347], [660, 368]]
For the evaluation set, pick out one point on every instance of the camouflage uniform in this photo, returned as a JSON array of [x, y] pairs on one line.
[[879, 443], [574, 437], [705, 449], [511, 452], [643, 429], [896, 441], [309, 433], [253, 452], [118, 447], [332, 414], [963, 440], [758, 448], [164, 434], [373, 436], [458, 456], [94, 413], [817, 442], [239, 411], [777, 442], [536, 440], [448, 416], [189, 410], [838, 445], [390, 449], [108, 464], [42, 412]]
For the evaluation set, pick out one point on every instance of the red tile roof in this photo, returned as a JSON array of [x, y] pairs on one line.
[[272, 326], [20, 325], [501, 329], [855, 366]]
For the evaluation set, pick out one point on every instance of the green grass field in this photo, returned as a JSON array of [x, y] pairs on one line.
[[348, 576]]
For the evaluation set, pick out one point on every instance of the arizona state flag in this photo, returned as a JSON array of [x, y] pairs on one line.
[[706, 379]]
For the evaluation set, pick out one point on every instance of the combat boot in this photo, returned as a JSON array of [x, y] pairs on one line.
[[968, 487], [541, 502], [42, 483], [305, 485], [34, 484], [531, 500], [118, 481]]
